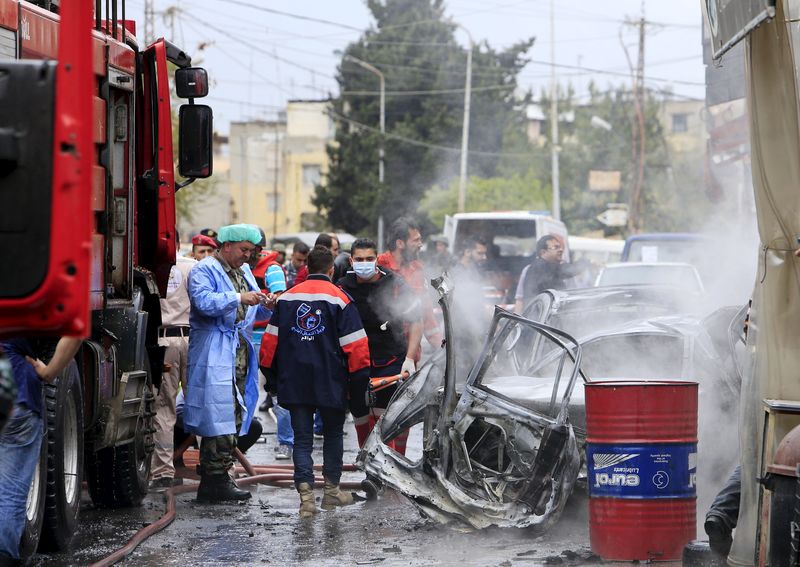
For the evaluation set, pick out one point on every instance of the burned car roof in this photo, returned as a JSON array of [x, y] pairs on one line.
[[581, 312]]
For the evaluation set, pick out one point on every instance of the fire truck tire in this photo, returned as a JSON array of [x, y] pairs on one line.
[[117, 476], [115, 480], [35, 506], [64, 411]]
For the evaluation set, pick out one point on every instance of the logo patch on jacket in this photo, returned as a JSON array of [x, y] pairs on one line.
[[309, 322]]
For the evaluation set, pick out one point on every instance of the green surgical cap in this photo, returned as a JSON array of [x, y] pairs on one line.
[[239, 233]]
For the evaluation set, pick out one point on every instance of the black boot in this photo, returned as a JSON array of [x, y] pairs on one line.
[[220, 488]]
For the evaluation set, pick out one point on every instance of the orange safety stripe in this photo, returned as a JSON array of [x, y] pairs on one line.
[[269, 344], [316, 287], [357, 353]]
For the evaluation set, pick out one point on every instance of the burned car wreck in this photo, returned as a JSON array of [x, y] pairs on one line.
[[506, 447], [486, 460]]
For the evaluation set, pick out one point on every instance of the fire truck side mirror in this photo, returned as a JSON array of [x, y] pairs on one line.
[[191, 82], [195, 130]]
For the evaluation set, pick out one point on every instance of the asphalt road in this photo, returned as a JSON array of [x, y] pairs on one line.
[[267, 530]]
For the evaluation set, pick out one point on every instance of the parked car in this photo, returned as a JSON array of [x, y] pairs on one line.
[[675, 274], [666, 247], [581, 312], [506, 448]]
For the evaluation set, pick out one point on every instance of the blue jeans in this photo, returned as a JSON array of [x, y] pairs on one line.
[[332, 446], [284, 419], [318, 423], [19, 454]]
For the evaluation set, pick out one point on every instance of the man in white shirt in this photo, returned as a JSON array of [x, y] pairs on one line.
[[174, 335]]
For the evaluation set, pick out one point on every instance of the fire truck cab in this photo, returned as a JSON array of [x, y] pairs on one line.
[[87, 225]]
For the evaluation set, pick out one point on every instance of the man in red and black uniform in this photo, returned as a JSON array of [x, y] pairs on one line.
[[404, 243], [313, 353], [390, 312]]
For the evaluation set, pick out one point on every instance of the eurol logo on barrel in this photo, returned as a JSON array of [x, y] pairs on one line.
[[642, 471]]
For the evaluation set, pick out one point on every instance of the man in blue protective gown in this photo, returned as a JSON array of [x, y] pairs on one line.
[[222, 392]]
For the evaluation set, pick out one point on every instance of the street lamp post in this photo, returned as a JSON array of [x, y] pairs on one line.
[[462, 179], [554, 165], [372, 69]]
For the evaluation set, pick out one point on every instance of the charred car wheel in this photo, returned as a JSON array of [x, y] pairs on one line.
[[117, 476], [698, 553], [34, 508], [64, 414], [372, 488]]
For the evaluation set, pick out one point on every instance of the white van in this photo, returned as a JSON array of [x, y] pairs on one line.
[[511, 237], [596, 250]]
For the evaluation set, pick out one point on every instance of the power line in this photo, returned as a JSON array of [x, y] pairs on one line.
[[241, 64], [613, 73], [477, 69], [429, 92], [290, 15], [256, 47], [420, 143]]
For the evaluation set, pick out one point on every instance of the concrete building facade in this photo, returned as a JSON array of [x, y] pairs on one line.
[[276, 164], [684, 127], [209, 206], [309, 129], [256, 153]]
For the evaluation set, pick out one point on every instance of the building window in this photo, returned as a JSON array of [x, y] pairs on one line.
[[680, 123], [273, 202], [312, 174]]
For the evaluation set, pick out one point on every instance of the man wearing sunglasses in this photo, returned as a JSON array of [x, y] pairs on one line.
[[547, 271]]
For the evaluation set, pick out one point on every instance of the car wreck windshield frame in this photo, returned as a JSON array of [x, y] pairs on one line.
[[498, 334]]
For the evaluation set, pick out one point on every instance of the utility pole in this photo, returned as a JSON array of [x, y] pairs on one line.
[[635, 209], [243, 144], [275, 183], [462, 178], [149, 21], [638, 130], [169, 14], [554, 172]]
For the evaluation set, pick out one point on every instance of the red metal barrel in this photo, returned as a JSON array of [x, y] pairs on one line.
[[641, 456]]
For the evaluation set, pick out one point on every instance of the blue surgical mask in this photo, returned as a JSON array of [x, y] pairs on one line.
[[365, 270]]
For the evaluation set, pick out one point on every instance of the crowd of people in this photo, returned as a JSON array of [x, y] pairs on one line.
[[330, 321]]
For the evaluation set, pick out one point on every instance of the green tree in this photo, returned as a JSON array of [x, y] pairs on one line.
[[672, 191], [518, 191], [413, 44]]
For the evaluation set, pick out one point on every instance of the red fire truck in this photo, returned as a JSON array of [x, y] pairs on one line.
[[87, 229]]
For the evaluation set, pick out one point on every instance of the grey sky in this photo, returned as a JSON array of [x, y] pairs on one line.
[[250, 84]]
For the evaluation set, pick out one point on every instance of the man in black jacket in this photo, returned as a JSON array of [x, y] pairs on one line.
[[392, 318], [547, 271]]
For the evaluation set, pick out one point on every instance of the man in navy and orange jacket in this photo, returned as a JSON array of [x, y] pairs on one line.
[[315, 352]]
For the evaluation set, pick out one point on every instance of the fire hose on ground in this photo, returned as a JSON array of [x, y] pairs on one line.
[[280, 476]]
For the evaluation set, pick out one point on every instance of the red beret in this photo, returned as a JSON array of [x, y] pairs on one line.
[[201, 240]]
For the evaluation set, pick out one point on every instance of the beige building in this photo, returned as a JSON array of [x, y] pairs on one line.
[[276, 164], [256, 153], [684, 127], [209, 200], [309, 129]]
